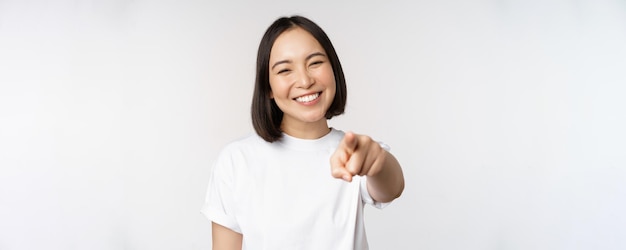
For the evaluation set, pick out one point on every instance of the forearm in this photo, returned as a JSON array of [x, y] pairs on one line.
[[387, 184], [225, 239]]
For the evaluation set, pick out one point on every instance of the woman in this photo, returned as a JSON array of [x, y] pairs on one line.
[[275, 189]]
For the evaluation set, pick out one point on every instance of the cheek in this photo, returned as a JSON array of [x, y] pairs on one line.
[[325, 75], [331, 83], [329, 74], [273, 85], [277, 87]]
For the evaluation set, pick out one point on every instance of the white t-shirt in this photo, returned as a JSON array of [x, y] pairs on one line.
[[282, 195]]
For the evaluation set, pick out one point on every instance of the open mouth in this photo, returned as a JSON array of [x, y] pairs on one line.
[[308, 98]]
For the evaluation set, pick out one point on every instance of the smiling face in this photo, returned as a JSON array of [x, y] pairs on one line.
[[302, 82]]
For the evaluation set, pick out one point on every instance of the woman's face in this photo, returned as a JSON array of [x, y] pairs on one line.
[[301, 78]]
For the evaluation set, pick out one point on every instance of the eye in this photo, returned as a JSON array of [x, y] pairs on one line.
[[316, 63], [283, 71]]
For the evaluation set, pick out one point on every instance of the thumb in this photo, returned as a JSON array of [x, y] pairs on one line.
[[338, 165]]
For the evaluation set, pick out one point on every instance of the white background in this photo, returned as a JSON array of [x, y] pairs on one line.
[[508, 117]]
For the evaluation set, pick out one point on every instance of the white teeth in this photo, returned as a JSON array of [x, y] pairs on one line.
[[308, 98]]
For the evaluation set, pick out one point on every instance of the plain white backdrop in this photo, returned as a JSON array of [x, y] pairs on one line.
[[508, 117]]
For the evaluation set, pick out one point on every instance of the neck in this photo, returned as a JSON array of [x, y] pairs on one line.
[[306, 130]]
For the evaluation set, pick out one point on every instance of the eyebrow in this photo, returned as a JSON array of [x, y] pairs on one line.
[[307, 58]]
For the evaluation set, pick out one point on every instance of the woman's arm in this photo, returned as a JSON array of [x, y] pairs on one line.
[[388, 184], [225, 239]]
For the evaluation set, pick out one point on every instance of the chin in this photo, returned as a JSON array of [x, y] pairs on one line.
[[315, 118]]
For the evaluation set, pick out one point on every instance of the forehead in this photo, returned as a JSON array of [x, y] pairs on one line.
[[294, 43]]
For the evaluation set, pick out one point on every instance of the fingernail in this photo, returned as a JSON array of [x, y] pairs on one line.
[[346, 178]]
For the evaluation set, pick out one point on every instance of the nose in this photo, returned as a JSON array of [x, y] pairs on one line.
[[305, 80]]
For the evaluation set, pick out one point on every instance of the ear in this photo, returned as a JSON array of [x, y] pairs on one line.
[[271, 95]]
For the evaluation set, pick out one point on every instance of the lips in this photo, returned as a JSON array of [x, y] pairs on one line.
[[308, 98]]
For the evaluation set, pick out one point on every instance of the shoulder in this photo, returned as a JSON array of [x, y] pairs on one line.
[[249, 140], [242, 146], [236, 156], [337, 134]]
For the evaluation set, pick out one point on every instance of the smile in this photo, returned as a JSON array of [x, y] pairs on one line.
[[307, 98]]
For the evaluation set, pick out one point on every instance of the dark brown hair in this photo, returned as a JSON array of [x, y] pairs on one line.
[[266, 116]]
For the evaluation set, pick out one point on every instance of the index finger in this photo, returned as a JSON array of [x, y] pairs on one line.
[[349, 142]]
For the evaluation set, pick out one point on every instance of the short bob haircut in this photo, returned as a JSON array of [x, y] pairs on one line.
[[266, 116]]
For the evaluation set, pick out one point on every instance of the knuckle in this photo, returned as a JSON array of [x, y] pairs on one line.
[[364, 139], [353, 169]]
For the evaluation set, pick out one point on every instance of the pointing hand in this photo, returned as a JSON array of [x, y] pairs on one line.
[[357, 155]]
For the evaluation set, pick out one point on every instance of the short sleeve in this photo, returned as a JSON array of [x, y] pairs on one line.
[[219, 203], [365, 194]]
